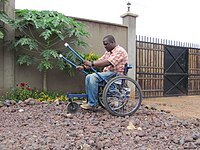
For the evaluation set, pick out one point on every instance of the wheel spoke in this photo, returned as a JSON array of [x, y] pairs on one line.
[[122, 96]]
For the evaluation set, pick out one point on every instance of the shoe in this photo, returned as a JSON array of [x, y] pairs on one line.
[[84, 102], [88, 107]]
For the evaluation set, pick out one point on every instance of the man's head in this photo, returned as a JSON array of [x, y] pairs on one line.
[[109, 42]]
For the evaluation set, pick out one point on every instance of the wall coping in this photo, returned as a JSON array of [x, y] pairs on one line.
[[97, 21]]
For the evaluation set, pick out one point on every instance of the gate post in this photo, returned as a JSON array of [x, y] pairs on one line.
[[8, 8], [129, 20]]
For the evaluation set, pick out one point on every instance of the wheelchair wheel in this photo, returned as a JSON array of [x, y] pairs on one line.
[[122, 96]]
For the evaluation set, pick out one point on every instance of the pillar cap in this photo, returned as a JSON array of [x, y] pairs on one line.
[[129, 14]]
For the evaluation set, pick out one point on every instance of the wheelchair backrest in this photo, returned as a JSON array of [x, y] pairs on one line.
[[126, 68]]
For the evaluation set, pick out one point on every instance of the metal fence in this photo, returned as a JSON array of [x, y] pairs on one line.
[[152, 62]]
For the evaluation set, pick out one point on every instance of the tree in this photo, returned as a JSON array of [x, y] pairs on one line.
[[40, 32], [3, 18]]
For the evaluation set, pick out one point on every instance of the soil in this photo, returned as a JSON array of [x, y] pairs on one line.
[[182, 106], [159, 124]]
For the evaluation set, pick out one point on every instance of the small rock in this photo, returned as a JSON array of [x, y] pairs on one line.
[[139, 128], [13, 102], [69, 116], [21, 110], [197, 142], [30, 101], [1, 104], [57, 102], [189, 146], [188, 139], [21, 103], [86, 146], [141, 134], [7, 103], [196, 136], [182, 140]]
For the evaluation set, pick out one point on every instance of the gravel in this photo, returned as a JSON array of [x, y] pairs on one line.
[[48, 126]]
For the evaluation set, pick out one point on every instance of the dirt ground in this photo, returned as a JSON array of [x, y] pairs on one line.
[[182, 106]]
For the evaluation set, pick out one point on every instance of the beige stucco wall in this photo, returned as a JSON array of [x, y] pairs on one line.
[[99, 29], [60, 80]]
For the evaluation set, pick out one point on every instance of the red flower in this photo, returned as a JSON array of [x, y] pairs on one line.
[[22, 84], [28, 88]]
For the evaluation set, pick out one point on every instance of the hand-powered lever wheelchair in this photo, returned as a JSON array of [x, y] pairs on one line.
[[120, 95]]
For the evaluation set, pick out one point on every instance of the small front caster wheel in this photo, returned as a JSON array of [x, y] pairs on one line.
[[72, 107]]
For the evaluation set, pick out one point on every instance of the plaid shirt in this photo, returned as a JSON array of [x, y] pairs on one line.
[[118, 58]]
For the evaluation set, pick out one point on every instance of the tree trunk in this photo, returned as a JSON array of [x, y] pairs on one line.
[[44, 80]]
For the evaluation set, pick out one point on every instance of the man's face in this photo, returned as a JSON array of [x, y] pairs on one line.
[[107, 45]]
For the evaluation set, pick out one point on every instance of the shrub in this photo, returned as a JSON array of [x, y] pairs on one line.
[[51, 96], [91, 56], [23, 91]]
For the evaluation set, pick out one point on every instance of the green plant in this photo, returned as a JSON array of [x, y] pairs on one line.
[[40, 33], [22, 91], [3, 18], [92, 57], [51, 96]]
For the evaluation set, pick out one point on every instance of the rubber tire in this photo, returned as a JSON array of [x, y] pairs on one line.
[[107, 86], [72, 107]]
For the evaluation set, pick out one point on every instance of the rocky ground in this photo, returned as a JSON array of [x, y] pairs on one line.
[[47, 126]]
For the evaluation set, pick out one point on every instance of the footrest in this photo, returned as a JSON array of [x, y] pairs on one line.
[[76, 95]]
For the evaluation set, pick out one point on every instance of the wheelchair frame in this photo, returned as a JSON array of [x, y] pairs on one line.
[[105, 93]]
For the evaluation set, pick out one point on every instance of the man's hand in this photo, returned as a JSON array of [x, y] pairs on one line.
[[87, 63], [79, 68]]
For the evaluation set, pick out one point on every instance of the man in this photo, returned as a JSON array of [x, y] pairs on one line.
[[113, 61]]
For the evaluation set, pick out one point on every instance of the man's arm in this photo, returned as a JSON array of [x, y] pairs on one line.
[[97, 63]]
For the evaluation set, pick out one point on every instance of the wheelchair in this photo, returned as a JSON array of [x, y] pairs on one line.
[[120, 95]]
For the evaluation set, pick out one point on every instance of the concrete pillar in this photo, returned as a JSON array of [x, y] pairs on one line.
[[129, 20], [1, 55], [8, 55]]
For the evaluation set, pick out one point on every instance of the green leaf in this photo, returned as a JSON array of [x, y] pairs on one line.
[[25, 59], [46, 34], [24, 41], [5, 18], [47, 54], [62, 64], [45, 65], [1, 35]]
